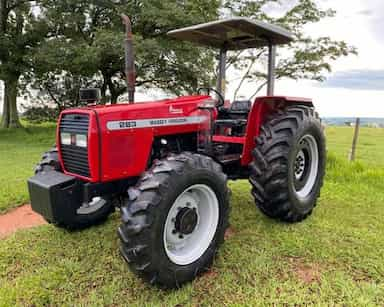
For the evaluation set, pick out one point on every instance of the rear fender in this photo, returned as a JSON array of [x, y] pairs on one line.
[[262, 107]]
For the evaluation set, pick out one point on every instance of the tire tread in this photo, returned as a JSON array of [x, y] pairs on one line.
[[135, 229], [269, 169]]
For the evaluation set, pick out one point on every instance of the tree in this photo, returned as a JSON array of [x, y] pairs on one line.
[[59, 46], [88, 45], [305, 58], [20, 31]]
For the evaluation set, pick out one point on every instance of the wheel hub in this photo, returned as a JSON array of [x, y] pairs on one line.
[[191, 224], [300, 164], [186, 221]]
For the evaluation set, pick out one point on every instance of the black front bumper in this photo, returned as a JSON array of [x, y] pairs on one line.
[[55, 196]]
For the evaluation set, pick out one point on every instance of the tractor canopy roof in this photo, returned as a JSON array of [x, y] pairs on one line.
[[234, 34]]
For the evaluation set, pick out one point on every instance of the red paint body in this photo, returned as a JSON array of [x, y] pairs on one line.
[[125, 153]]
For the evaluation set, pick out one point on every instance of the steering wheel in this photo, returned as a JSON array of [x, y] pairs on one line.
[[219, 96]]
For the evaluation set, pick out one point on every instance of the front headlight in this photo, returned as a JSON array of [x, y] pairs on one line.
[[65, 138], [81, 140]]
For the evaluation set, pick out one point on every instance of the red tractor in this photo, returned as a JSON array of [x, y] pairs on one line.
[[166, 163]]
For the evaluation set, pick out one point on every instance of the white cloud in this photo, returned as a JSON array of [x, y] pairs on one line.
[[334, 102], [357, 80], [356, 29], [359, 23]]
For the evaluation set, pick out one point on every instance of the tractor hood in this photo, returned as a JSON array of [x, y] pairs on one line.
[[152, 109], [115, 141]]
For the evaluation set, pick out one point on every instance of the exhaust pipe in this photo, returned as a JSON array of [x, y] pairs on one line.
[[130, 72]]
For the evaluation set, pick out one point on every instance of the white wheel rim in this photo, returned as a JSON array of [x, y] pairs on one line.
[[189, 248], [305, 164]]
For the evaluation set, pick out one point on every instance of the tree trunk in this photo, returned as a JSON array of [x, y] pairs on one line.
[[103, 93], [114, 98], [10, 113], [3, 16], [3, 23], [112, 91], [104, 87], [5, 116]]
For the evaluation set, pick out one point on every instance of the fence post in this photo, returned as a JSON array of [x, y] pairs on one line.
[[352, 154]]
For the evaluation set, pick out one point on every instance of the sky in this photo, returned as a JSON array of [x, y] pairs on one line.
[[356, 85], [355, 88]]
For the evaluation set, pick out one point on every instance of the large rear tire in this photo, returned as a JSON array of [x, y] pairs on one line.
[[88, 215], [175, 219], [289, 164]]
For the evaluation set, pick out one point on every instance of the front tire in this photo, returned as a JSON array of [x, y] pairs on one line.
[[175, 219], [288, 168], [93, 214]]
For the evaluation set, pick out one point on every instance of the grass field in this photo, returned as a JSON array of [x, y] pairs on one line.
[[370, 148], [20, 150], [333, 258]]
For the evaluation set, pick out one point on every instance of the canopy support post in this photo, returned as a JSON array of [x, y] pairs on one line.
[[221, 83], [271, 69]]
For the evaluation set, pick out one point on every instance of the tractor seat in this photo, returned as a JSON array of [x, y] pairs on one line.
[[239, 109], [235, 118]]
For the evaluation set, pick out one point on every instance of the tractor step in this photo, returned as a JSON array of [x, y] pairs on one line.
[[227, 159]]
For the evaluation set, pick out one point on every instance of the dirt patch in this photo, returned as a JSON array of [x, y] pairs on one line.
[[307, 273], [20, 218], [206, 280], [211, 274], [230, 232]]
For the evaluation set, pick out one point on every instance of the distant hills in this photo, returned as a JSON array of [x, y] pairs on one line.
[[350, 121]]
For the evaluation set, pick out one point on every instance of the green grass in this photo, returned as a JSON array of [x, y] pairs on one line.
[[20, 150], [333, 258], [370, 148]]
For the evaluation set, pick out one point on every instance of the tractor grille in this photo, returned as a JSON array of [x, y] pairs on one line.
[[75, 158]]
